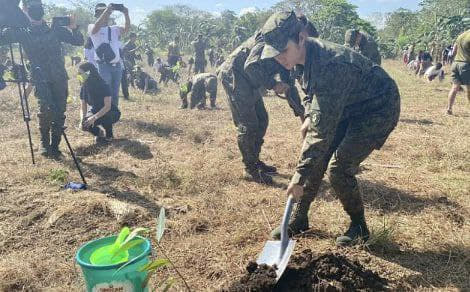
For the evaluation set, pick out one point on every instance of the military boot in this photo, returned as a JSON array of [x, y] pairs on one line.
[[266, 168], [298, 221], [184, 103], [357, 232], [257, 176], [54, 151], [213, 104]]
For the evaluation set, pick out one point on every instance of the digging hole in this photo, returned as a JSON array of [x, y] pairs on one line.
[[306, 272]]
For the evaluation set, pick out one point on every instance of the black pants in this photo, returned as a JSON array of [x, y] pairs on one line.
[[106, 122], [125, 83]]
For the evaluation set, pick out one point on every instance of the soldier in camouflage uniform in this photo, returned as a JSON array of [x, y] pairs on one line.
[[174, 54], [245, 76], [346, 119], [363, 43], [43, 46], [198, 86], [199, 55]]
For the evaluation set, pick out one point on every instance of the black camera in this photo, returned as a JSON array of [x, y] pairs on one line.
[[117, 7], [60, 21], [11, 15]]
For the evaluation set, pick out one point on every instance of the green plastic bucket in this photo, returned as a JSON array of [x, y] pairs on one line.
[[105, 278]]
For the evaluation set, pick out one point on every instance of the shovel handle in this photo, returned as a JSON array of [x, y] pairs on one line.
[[285, 225]]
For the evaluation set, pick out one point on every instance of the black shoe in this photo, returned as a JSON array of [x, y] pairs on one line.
[[55, 153], [100, 140], [266, 168], [356, 233], [258, 176]]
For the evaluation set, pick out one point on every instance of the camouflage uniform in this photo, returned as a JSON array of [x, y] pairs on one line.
[[202, 83], [44, 50], [199, 56], [350, 117], [367, 46], [244, 77]]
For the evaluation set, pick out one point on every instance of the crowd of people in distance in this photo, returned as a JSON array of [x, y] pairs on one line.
[[457, 56], [121, 65]]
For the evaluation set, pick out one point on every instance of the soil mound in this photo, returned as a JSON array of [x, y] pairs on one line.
[[306, 272]]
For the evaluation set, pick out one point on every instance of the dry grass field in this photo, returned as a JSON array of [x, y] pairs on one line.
[[416, 191]]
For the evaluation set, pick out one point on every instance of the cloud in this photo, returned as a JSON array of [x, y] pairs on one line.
[[219, 5], [246, 10]]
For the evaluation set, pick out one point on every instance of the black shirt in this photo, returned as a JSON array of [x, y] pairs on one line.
[[94, 94]]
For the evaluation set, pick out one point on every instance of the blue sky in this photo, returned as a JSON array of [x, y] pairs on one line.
[[140, 8]]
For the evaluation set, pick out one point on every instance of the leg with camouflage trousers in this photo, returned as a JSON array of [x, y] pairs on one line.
[[355, 139], [251, 119], [52, 99]]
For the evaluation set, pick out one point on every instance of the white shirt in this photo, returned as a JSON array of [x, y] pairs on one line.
[[432, 72], [90, 56], [102, 37]]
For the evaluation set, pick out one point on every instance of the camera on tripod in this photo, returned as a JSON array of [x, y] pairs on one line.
[[11, 14]]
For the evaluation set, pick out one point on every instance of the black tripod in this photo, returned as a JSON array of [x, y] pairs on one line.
[[21, 80]]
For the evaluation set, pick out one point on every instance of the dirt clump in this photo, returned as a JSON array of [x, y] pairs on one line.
[[307, 272]]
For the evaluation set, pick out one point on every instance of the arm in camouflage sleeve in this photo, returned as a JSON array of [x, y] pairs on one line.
[[293, 97], [256, 71], [73, 37], [326, 108]]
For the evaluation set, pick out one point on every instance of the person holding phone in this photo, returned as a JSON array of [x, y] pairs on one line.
[[98, 114], [106, 41], [43, 47]]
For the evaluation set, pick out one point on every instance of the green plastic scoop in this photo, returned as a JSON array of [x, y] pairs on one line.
[[106, 255]]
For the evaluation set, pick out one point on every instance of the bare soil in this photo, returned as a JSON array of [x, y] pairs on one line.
[[306, 272]]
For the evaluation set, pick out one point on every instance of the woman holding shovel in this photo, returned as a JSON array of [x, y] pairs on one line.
[[352, 107]]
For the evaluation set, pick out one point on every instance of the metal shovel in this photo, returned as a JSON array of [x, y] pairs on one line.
[[278, 252]]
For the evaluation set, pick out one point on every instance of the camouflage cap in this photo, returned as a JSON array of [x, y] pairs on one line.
[[276, 33]]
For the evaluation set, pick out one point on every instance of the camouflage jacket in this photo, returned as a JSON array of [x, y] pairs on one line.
[[262, 74], [199, 50], [246, 60], [43, 47], [339, 83], [367, 47], [207, 81]]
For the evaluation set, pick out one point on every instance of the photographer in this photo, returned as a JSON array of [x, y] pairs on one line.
[[43, 46], [106, 40], [97, 109]]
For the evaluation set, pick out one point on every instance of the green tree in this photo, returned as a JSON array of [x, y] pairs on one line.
[[331, 17]]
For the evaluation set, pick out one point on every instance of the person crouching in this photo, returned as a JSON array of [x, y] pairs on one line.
[[98, 114]]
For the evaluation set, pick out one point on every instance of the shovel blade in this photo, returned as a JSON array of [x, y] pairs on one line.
[[271, 255]]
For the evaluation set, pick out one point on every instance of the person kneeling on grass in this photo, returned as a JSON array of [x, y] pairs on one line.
[[434, 71], [98, 114], [198, 86]]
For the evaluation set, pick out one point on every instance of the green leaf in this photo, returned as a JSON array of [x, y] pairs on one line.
[[161, 224], [128, 245], [153, 266]]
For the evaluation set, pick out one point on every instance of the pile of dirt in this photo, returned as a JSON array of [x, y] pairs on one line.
[[306, 272]]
